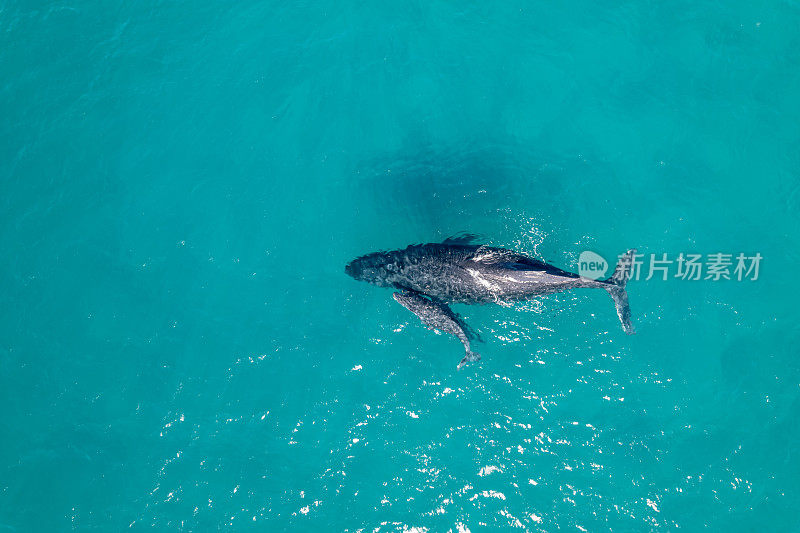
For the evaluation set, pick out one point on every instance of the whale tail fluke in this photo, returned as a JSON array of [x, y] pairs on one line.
[[470, 357], [615, 285]]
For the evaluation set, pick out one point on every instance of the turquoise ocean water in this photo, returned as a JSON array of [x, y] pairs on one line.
[[183, 183]]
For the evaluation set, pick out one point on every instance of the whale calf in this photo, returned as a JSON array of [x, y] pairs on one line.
[[431, 276], [436, 315]]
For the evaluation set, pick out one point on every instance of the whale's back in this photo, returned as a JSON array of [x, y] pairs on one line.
[[476, 273]]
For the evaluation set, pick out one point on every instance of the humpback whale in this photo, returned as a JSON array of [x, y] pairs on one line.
[[430, 276]]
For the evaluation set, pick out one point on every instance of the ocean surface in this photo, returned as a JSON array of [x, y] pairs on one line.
[[183, 183]]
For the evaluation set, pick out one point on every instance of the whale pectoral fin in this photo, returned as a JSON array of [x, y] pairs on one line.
[[468, 330]]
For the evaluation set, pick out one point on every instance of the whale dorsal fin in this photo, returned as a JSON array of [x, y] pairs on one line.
[[461, 238]]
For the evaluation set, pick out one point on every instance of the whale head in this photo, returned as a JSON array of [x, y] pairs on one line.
[[377, 268]]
